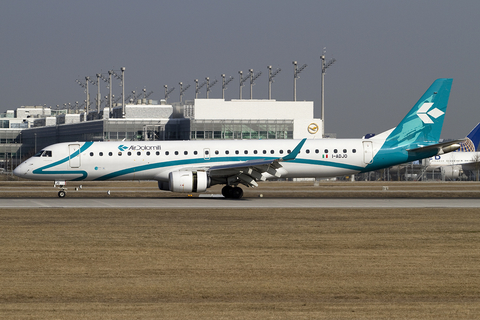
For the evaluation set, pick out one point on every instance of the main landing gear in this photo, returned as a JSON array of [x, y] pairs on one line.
[[230, 192]]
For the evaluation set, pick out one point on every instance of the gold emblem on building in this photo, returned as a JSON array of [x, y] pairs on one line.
[[312, 128]]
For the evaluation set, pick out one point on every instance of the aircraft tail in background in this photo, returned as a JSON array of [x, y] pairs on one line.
[[473, 139]]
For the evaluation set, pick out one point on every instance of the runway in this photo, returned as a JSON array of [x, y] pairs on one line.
[[216, 202]]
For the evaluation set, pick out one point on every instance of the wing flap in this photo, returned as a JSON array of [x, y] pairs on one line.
[[249, 172]]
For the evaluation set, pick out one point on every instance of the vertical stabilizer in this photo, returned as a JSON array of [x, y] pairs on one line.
[[473, 139], [423, 124]]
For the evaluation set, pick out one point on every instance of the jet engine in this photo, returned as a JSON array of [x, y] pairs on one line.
[[452, 172], [186, 181]]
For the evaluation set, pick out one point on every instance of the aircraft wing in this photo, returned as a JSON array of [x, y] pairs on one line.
[[249, 172]]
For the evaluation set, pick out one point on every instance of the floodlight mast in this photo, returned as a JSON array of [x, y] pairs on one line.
[[198, 87], [296, 72], [88, 99], [270, 80], [209, 85], [122, 79], [322, 100], [242, 81], [182, 90], [224, 84], [123, 92], [167, 92], [109, 97], [85, 86], [253, 77], [99, 97]]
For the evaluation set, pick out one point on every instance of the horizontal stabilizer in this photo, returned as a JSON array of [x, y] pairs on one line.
[[441, 148]]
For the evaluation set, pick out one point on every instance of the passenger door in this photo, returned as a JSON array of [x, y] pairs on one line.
[[367, 152], [74, 155]]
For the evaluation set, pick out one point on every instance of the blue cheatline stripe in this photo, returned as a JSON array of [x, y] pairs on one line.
[[83, 173], [201, 161]]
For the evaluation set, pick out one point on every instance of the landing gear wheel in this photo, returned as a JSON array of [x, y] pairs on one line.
[[236, 193], [62, 194], [230, 192], [226, 191]]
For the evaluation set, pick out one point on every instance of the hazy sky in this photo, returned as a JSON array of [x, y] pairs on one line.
[[387, 53]]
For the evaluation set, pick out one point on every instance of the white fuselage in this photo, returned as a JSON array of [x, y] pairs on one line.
[[154, 160], [465, 159]]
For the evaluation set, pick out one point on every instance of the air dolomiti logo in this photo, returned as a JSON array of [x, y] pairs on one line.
[[425, 115], [137, 147]]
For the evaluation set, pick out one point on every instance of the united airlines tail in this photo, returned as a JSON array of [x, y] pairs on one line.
[[473, 139], [417, 135]]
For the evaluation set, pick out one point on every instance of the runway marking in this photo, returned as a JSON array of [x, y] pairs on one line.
[[243, 203]]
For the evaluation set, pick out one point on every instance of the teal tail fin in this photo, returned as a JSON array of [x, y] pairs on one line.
[[423, 124]]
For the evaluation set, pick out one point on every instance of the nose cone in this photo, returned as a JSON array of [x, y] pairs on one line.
[[20, 170]]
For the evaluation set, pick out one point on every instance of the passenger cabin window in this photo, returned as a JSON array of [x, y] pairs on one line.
[[344, 150], [335, 150], [354, 150], [100, 154], [325, 151], [110, 154]]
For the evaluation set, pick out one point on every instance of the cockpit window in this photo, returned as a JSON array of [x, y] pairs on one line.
[[44, 153]]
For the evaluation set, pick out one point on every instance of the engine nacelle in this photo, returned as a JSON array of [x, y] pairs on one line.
[[452, 172], [188, 181]]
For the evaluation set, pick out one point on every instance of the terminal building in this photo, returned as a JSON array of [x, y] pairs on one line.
[[26, 130]]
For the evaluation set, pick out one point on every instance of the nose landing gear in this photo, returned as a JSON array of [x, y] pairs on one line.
[[63, 189]]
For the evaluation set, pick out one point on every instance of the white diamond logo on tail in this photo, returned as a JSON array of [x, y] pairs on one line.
[[425, 115]]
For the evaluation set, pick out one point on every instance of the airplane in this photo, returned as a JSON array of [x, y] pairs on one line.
[[194, 166], [466, 158]]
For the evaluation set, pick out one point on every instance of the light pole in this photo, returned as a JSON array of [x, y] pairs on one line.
[[322, 100]]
